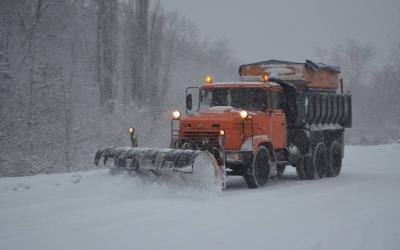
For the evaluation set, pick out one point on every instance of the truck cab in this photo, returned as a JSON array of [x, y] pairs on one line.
[[233, 120]]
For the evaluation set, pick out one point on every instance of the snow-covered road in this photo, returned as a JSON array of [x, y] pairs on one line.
[[93, 210]]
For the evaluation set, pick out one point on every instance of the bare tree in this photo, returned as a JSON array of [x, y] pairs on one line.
[[30, 15], [171, 36], [387, 89], [4, 59], [58, 62], [106, 48], [138, 48], [355, 60], [156, 39]]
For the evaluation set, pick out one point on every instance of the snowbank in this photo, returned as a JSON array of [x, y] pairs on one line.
[[93, 210]]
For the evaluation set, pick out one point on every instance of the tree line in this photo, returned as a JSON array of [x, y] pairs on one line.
[[375, 87], [75, 74]]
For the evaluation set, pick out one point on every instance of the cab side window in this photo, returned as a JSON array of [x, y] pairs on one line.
[[276, 100]]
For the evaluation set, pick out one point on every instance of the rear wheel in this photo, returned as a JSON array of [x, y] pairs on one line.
[[316, 166], [320, 160], [258, 172], [335, 159], [304, 168]]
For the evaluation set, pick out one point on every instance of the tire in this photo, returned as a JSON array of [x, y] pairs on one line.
[[304, 169], [335, 159], [258, 172], [320, 161]]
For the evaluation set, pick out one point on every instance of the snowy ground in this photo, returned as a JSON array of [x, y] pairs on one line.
[[93, 210]]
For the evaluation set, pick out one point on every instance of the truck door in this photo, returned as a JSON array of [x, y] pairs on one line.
[[277, 119]]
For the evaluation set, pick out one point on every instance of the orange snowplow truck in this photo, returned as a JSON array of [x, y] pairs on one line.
[[280, 113]]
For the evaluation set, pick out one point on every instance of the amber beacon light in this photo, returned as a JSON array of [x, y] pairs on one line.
[[209, 79]]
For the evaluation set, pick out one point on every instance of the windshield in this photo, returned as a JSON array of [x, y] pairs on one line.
[[243, 98]]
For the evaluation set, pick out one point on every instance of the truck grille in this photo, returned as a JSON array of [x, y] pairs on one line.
[[199, 137]]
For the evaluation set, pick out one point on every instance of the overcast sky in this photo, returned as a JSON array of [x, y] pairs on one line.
[[291, 30]]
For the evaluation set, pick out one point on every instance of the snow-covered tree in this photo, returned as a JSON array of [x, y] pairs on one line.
[[74, 74]]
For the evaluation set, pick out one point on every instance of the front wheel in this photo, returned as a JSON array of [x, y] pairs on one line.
[[258, 172]]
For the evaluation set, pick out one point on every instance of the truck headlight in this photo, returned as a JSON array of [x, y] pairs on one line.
[[176, 115], [221, 139], [244, 114]]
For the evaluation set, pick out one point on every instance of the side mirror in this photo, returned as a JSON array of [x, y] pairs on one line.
[[189, 102]]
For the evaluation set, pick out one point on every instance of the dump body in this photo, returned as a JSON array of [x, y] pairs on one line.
[[306, 75]]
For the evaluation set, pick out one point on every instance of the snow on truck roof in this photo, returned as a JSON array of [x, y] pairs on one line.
[[308, 63], [240, 84]]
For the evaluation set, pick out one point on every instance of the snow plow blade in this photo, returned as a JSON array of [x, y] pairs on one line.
[[201, 164]]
